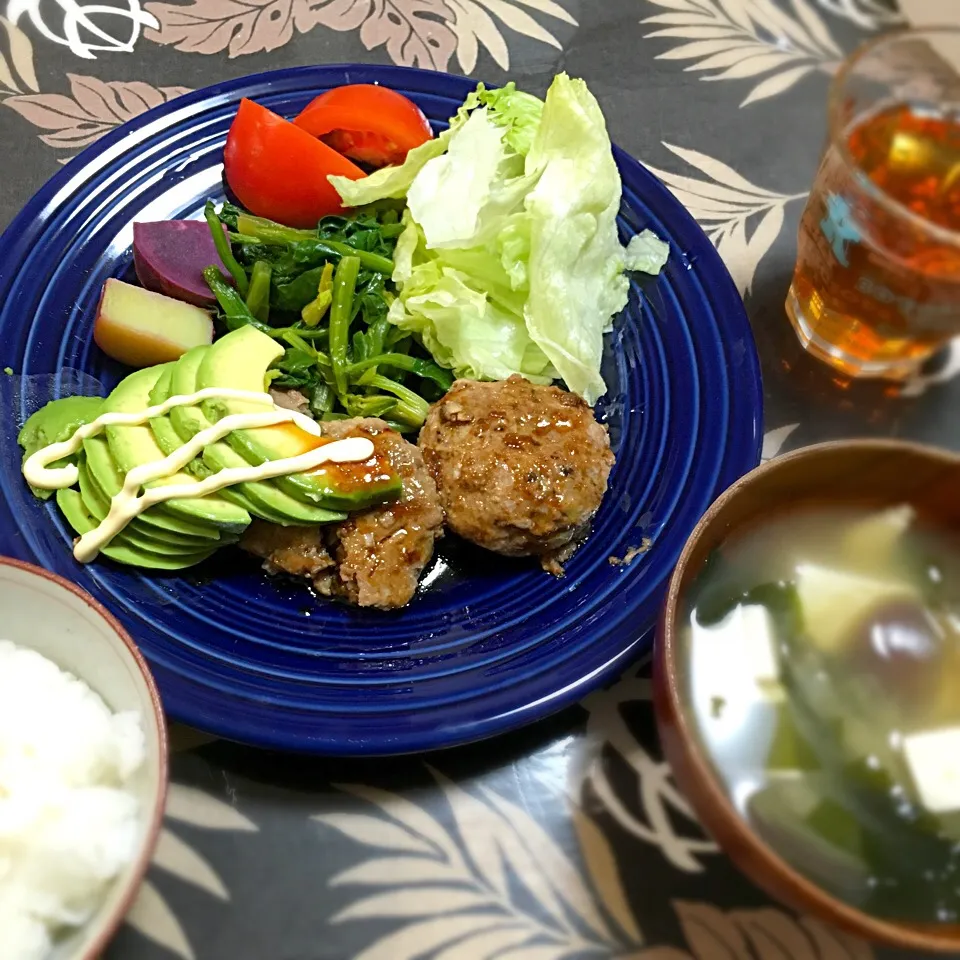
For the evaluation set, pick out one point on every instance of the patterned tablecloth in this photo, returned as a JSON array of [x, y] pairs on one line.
[[568, 839]]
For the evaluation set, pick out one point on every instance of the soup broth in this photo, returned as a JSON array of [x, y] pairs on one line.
[[822, 661]]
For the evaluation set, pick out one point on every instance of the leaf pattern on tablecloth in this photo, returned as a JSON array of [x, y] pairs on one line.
[[740, 39], [655, 812], [604, 872], [415, 32], [773, 441], [17, 73], [926, 13], [493, 885], [93, 108], [151, 915], [866, 14], [475, 28], [765, 934], [724, 203], [83, 27], [947, 369], [421, 33]]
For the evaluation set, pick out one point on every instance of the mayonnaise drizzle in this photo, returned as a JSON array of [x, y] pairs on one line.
[[129, 503]]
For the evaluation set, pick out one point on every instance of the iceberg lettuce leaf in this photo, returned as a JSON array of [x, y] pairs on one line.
[[510, 261], [647, 253], [576, 265]]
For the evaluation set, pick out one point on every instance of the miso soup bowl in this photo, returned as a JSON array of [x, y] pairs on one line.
[[866, 472], [48, 614]]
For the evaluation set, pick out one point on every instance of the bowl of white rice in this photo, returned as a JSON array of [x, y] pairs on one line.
[[83, 768]]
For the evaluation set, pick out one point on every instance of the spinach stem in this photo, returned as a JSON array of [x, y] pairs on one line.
[[413, 407], [235, 312], [400, 361], [258, 294], [305, 333], [222, 245], [341, 310], [269, 232]]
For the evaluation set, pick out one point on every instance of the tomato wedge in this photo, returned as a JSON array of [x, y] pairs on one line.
[[279, 171], [372, 124]]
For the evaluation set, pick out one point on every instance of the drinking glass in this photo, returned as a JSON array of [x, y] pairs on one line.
[[876, 288]]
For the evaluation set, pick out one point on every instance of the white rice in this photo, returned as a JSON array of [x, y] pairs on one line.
[[68, 823]]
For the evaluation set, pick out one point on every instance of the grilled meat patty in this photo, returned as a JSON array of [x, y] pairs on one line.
[[376, 556], [520, 468]]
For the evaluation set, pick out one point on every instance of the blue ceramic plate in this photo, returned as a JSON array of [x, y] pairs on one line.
[[488, 644]]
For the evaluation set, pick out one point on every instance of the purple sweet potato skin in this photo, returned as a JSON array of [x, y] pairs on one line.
[[169, 257]]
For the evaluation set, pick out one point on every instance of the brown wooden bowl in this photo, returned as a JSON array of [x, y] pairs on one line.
[[872, 472]]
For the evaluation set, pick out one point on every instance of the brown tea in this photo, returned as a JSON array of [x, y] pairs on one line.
[[877, 282]]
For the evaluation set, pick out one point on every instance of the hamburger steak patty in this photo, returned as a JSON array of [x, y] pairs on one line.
[[520, 468], [376, 556]]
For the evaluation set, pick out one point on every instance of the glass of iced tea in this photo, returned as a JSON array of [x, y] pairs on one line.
[[876, 289]]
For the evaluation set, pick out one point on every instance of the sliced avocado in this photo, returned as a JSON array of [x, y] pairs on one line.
[[137, 533], [192, 422], [169, 440], [105, 475], [166, 436], [132, 535], [135, 446], [188, 421], [240, 361], [266, 500], [54, 423], [72, 506]]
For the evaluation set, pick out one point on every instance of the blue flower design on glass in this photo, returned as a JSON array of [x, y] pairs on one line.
[[839, 228]]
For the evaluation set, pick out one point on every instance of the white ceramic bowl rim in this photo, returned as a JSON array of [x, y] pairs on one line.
[[96, 941]]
